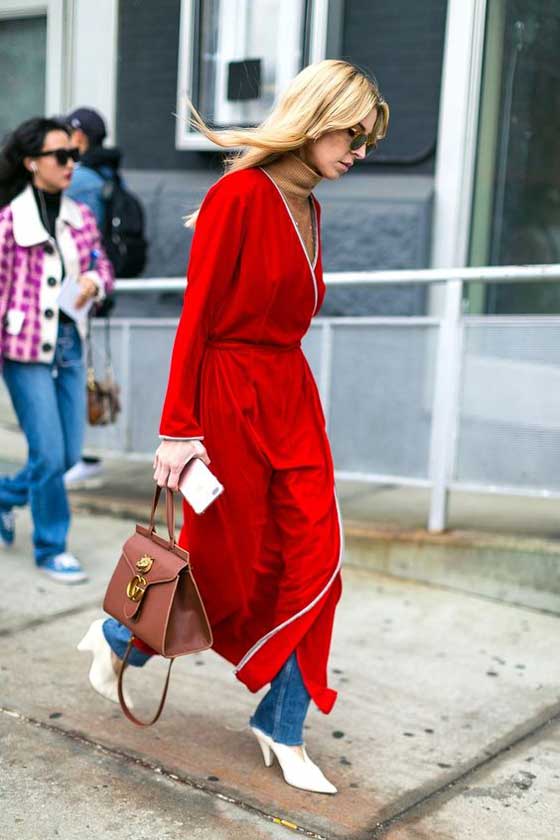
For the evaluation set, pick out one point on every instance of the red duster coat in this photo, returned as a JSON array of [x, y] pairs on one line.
[[266, 554]]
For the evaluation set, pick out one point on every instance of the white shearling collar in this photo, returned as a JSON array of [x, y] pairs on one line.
[[28, 227]]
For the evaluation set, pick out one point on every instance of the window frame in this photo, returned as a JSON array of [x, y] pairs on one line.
[[185, 137], [56, 52]]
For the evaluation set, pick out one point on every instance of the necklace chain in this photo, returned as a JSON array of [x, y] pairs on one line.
[[305, 225]]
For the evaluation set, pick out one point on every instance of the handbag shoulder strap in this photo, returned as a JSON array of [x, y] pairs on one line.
[[89, 356], [108, 355], [122, 701]]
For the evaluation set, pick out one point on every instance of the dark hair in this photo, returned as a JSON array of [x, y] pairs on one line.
[[25, 141]]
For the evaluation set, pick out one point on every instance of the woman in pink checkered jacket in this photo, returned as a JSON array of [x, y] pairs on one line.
[[45, 239]]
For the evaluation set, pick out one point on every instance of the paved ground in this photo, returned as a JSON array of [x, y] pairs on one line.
[[447, 725]]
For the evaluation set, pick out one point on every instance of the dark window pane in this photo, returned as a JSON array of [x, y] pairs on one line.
[[401, 43], [23, 44]]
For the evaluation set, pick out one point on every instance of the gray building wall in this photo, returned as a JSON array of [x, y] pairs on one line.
[[148, 64]]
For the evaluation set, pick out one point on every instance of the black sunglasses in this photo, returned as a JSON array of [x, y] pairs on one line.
[[62, 155], [360, 139]]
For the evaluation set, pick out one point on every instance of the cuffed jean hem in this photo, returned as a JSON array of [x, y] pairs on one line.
[[118, 637], [281, 713], [286, 740]]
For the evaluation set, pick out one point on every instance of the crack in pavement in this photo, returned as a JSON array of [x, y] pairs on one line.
[[138, 761], [446, 790]]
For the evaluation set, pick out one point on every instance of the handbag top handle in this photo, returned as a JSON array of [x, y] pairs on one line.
[[169, 511]]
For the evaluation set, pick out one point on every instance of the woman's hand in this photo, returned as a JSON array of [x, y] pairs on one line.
[[171, 457], [89, 290]]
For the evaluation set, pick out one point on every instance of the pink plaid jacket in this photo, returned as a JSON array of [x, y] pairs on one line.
[[31, 271]]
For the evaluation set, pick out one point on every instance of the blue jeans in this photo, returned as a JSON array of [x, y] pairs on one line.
[[118, 637], [50, 404], [280, 714]]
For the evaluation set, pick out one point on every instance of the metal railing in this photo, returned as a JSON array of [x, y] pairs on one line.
[[442, 395]]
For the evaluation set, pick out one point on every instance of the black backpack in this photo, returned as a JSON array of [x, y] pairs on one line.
[[123, 234]]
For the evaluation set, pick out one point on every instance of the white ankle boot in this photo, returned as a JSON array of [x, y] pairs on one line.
[[298, 770], [102, 674]]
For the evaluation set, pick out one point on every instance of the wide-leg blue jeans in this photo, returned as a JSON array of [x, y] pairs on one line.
[[280, 714], [50, 404]]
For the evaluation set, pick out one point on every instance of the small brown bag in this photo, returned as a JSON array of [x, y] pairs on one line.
[[154, 594], [103, 401]]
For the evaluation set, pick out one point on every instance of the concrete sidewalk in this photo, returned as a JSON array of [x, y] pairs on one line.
[[447, 725]]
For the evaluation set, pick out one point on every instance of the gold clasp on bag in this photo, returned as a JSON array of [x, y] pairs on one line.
[[136, 588], [144, 564]]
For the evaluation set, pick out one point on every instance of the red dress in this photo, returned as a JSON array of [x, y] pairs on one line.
[[266, 554]]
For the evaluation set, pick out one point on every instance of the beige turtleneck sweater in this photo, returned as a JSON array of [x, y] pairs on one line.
[[295, 179]]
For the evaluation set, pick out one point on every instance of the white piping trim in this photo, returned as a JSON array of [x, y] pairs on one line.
[[310, 264], [168, 437], [262, 641]]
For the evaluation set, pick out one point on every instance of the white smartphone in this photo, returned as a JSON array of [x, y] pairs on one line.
[[199, 486]]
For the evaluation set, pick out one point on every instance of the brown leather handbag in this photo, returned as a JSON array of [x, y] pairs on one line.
[[154, 594]]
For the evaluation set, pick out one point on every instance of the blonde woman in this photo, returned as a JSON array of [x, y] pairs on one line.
[[267, 553]]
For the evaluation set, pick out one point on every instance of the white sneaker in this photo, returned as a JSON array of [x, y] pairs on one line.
[[63, 568], [84, 475], [102, 674]]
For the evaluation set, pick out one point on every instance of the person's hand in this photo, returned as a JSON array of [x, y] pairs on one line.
[[88, 290], [171, 457]]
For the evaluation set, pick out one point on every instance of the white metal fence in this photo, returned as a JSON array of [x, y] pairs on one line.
[[447, 402]]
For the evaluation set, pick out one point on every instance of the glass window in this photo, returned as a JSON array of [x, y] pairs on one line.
[[23, 43], [242, 53], [516, 212]]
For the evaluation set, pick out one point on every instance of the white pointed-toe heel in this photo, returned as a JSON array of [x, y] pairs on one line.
[[297, 768], [263, 744], [102, 674]]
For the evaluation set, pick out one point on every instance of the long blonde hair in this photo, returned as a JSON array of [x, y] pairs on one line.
[[325, 96]]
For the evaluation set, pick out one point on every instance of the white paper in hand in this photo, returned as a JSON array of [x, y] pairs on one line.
[[69, 294]]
